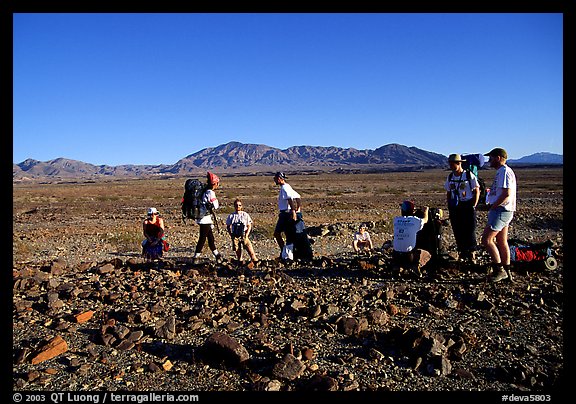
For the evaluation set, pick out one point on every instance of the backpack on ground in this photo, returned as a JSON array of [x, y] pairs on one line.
[[430, 238], [302, 243], [192, 199], [472, 164]]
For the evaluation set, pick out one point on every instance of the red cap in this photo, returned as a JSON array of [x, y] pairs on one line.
[[213, 178]]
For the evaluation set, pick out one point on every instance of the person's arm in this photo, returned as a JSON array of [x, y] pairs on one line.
[[503, 197], [293, 208], [475, 196], [248, 226], [213, 200], [425, 211], [229, 224]]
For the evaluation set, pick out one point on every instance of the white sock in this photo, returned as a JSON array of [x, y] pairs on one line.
[[197, 255], [215, 252]]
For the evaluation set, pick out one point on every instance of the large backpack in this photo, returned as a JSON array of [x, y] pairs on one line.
[[430, 238], [473, 163], [192, 199]]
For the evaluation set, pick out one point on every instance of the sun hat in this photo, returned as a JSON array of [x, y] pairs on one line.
[[497, 151], [152, 211], [455, 158]]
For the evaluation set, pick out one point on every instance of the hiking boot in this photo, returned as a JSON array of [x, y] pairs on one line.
[[509, 273], [499, 274], [219, 259]]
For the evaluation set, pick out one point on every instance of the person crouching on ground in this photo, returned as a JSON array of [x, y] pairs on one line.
[[209, 203], [362, 241], [406, 227], [153, 229], [239, 225]]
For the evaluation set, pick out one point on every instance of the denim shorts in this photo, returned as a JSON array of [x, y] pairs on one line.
[[499, 218]]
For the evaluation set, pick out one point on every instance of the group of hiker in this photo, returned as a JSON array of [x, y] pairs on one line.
[[462, 198], [289, 231]]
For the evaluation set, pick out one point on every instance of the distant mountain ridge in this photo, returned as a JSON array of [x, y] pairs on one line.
[[540, 158], [242, 158]]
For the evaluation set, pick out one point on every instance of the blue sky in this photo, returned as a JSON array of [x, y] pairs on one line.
[[153, 88]]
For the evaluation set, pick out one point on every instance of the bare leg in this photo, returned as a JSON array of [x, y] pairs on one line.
[[251, 252], [279, 240], [488, 241], [503, 247]]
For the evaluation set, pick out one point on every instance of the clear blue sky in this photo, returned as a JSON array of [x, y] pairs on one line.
[[153, 88]]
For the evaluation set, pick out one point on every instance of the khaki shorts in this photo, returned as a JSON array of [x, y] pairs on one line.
[[238, 242]]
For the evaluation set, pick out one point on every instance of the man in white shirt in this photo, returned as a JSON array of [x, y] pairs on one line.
[[288, 205], [502, 202], [405, 229]]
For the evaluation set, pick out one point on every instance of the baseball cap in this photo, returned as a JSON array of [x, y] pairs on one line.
[[152, 211], [497, 151], [280, 174], [407, 206]]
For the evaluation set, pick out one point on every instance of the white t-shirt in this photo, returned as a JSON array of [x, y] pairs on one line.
[[239, 217], [362, 236], [405, 229], [464, 184], [504, 178], [206, 217], [286, 193]]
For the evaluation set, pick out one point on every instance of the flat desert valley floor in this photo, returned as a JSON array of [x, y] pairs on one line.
[[341, 322]]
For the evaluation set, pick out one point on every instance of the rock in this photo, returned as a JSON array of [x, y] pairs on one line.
[[53, 348], [288, 368], [222, 346], [83, 317]]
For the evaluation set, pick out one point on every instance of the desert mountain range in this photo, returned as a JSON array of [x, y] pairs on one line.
[[241, 158]]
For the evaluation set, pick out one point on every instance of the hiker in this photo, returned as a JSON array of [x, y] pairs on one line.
[[239, 224], [362, 241], [502, 202], [462, 195], [153, 245], [406, 228], [209, 203], [288, 204]]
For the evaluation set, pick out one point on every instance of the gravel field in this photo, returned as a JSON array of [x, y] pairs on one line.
[[341, 322]]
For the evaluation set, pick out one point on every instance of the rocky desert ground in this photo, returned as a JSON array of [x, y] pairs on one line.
[[89, 314]]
